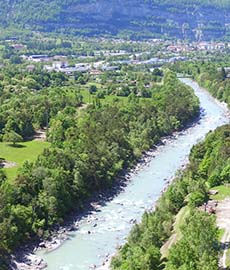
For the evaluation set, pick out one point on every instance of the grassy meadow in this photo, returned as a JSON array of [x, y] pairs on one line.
[[20, 153], [223, 192]]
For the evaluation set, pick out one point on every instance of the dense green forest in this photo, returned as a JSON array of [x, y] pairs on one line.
[[214, 76], [197, 248], [90, 144], [129, 19]]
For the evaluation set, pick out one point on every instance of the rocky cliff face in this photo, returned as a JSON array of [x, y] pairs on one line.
[[136, 18]]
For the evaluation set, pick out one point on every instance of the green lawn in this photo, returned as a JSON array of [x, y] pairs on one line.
[[98, 85], [87, 98], [27, 151], [223, 192], [109, 99], [221, 234]]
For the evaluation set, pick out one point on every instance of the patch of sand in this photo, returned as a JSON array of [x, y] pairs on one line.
[[40, 135]]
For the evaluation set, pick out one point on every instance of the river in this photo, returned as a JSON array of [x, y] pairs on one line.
[[110, 225]]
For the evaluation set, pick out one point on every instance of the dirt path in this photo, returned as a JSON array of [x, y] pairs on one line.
[[7, 164], [83, 106], [40, 135], [223, 222]]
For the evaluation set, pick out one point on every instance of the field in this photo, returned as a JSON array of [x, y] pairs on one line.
[[24, 151], [108, 99], [223, 192]]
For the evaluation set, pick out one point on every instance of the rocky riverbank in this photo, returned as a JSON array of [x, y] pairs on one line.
[[25, 258]]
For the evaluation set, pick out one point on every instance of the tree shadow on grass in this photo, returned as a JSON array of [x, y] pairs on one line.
[[1, 162], [16, 145]]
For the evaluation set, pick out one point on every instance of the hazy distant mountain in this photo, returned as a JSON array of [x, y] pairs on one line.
[[205, 19]]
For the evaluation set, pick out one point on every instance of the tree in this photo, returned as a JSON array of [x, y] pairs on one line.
[[15, 59], [2, 176], [222, 74], [92, 89], [12, 136], [32, 83], [197, 246]]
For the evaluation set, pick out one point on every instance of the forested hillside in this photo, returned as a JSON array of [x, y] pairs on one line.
[[207, 19], [197, 245]]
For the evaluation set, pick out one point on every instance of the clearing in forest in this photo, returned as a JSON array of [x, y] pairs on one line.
[[14, 156]]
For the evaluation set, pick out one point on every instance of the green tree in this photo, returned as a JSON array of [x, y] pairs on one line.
[[13, 137], [198, 245], [92, 89]]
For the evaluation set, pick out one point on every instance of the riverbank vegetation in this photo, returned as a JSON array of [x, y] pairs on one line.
[[90, 144], [213, 75], [197, 247]]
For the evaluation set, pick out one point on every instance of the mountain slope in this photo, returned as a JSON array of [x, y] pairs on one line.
[[207, 19]]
